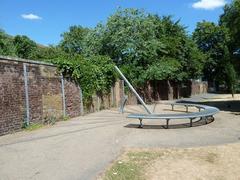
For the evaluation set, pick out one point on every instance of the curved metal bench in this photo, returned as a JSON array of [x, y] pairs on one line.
[[204, 113]]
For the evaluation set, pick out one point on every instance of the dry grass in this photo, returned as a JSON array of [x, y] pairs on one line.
[[213, 162]]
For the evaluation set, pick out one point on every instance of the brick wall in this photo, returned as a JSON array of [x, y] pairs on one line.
[[199, 87], [11, 97], [44, 94], [167, 90], [72, 96]]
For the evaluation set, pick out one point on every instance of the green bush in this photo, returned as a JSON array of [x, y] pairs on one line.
[[95, 74]]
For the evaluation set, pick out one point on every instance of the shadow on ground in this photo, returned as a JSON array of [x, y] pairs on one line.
[[231, 106], [173, 126]]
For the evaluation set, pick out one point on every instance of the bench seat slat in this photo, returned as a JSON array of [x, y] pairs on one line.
[[208, 111]]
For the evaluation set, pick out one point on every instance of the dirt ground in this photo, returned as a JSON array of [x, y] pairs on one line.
[[215, 163], [210, 162]]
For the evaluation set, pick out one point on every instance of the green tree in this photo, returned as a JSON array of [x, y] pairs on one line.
[[48, 52], [213, 40], [231, 20], [25, 47], [74, 40], [230, 77], [130, 37], [7, 47], [94, 74], [140, 42]]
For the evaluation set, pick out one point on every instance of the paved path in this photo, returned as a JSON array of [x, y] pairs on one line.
[[82, 148]]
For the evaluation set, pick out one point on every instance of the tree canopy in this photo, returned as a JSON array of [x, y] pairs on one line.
[[213, 40], [25, 47], [73, 41], [140, 42], [145, 46], [231, 20], [7, 47]]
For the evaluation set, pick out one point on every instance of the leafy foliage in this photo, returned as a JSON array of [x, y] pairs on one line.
[[25, 47], [164, 69], [48, 53], [231, 20], [213, 40], [7, 47], [73, 40], [94, 74], [140, 42], [230, 73], [145, 46]]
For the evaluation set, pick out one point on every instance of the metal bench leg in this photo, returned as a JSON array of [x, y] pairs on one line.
[[186, 108], [191, 119], [172, 107], [140, 125], [123, 103], [212, 118], [205, 119], [167, 123]]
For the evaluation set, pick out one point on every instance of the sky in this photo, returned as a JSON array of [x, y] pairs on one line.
[[45, 20]]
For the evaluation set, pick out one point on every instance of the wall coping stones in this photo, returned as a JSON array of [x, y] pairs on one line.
[[8, 58]]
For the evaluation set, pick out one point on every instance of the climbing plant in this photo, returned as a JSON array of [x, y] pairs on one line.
[[94, 74]]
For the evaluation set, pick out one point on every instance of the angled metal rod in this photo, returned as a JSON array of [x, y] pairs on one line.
[[133, 90]]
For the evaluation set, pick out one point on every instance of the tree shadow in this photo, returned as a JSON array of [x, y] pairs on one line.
[[231, 106]]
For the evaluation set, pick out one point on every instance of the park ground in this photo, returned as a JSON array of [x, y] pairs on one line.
[[87, 147]]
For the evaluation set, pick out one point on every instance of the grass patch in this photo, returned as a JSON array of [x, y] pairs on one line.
[[65, 118], [33, 127], [131, 166], [47, 121]]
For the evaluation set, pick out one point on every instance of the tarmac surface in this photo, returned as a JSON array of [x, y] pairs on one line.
[[83, 147]]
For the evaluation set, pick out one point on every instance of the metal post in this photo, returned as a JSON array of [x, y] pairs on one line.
[[112, 97], [27, 120], [81, 101], [98, 103], [63, 96], [191, 119], [167, 123], [133, 90], [141, 124]]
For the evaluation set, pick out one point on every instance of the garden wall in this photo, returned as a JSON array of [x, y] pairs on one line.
[[168, 90], [34, 92]]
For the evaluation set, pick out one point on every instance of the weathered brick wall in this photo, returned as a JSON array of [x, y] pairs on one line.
[[198, 87], [44, 93], [45, 96], [100, 102], [11, 97], [166, 90], [72, 96]]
